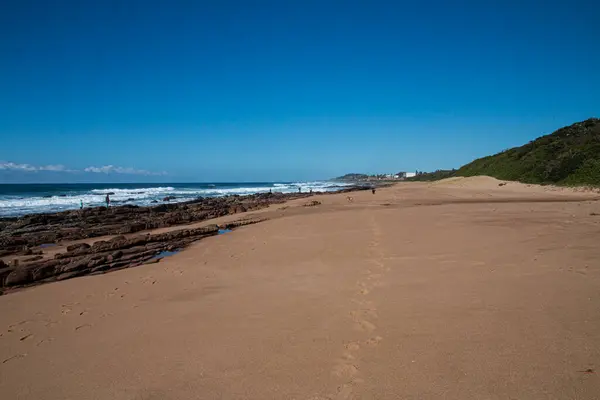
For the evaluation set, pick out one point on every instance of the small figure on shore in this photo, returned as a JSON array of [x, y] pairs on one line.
[[107, 200], [299, 190], [310, 191], [373, 190], [270, 191], [81, 204]]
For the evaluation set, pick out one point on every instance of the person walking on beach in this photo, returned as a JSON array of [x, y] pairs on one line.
[[107, 200]]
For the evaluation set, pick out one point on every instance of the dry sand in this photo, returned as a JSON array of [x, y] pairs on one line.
[[461, 289]]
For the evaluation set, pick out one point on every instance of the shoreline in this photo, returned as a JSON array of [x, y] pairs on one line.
[[42, 248], [19, 200]]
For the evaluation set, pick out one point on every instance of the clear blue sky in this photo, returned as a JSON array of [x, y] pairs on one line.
[[285, 90]]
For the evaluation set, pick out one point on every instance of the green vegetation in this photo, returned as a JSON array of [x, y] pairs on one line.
[[432, 176], [569, 156], [352, 177]]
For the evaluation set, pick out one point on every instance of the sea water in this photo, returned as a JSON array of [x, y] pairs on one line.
[[21, 199]]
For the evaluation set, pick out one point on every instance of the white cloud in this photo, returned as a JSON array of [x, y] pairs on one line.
[[17, 167], [106, 169], [111, 169], [57, 167]]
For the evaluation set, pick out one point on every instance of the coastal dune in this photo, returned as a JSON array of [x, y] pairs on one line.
[[460, 289]]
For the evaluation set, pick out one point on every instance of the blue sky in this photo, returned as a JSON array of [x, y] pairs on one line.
[[284, 90]]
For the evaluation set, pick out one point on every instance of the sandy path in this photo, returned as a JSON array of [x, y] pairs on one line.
[[412, 293]]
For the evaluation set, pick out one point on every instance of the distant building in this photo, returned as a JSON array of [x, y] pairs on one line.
[[404, 175]]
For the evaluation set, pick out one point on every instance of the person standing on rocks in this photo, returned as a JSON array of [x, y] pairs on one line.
[[81, 204], [107, 200]]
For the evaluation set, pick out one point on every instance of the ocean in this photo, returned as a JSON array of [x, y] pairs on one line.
[[21, 199]]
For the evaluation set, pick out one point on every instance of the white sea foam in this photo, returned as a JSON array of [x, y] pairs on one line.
[[14, 205], [134, 190]]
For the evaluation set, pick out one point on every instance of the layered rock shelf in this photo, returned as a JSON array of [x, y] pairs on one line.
[[26, 241]]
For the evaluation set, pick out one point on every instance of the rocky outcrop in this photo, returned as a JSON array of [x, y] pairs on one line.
[[21, 236], [116, 253]]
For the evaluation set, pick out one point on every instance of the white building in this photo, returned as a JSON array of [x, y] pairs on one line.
[[404, 175]]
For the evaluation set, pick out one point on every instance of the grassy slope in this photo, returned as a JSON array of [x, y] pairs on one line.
[[569, 156]]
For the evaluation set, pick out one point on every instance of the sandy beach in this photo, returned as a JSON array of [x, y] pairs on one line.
[[459, 289]]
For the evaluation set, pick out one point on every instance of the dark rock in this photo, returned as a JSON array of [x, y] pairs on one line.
[[238, 208], [101, 246], [169, 198], [19, 276], [69, 275], [115, 256], [4, 272], [161, 208], [44, 271], [312, 203], [34, 258], [78, 246], [132, 228], [75, 265]]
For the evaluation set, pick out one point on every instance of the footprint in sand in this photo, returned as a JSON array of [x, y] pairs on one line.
[[364, 325], [363, 303], [360, 314], [352, 346], [344, 392], [374, 341], [345, 370], [50, 324]]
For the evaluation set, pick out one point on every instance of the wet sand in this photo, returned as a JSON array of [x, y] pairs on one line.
[[460, 289]]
